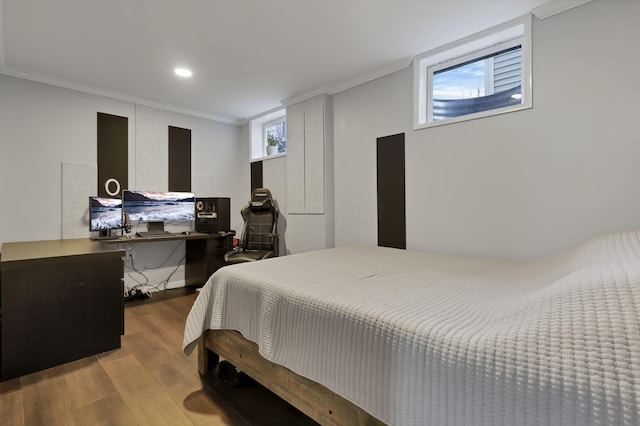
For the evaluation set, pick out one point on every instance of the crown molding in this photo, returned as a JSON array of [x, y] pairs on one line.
[[380, 72], [556, 6], [304, 96], [273, 113], [348, 84], [40, 78]]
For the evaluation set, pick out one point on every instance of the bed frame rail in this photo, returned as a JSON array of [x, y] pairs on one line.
[[313, 399]]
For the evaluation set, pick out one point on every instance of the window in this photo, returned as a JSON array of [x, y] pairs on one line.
[[270, 126], [482, 75], [275, 134]]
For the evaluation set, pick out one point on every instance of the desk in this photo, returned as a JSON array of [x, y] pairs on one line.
[[204, 252], [60, 300]]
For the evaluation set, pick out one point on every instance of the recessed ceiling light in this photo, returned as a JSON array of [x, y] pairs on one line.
[[183, 72]]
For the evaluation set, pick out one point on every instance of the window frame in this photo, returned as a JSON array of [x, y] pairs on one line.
[[514, 32], [258, 135], [268, 124]]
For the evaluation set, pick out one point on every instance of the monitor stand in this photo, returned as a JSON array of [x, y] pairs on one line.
[[106, 234], [155, 227]]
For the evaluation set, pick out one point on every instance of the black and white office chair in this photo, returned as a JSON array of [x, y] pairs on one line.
[[260, 233]]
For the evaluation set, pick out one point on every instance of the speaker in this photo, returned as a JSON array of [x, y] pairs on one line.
[[213, 214]]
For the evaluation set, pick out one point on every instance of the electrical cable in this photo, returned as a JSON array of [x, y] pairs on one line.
[[144, 286]]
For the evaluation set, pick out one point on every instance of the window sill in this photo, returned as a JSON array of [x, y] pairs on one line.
[[269, 157], [475, 116]]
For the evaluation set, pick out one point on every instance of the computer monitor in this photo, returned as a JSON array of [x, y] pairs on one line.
[[105, 213], [148, 206]]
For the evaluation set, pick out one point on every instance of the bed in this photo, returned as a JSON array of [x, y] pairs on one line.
[[373, 335]]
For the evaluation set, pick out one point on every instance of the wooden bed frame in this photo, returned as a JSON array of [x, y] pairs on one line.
[[313, 399]]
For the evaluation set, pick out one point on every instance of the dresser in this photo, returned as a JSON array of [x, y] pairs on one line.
[[60, 300]]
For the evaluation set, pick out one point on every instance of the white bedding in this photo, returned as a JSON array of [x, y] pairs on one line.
[[424, 339]]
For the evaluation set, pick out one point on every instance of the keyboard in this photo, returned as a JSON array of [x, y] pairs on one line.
[[106, 237], [153, 234]]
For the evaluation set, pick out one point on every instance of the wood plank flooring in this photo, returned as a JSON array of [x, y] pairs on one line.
[[148, 381]]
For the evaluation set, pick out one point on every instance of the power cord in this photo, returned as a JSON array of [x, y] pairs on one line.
[[143, 288]]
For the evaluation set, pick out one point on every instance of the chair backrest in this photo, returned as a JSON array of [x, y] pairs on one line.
[[260, 221]]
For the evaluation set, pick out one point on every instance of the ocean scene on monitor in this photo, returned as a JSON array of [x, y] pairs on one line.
[[105, 213], [146, 206]]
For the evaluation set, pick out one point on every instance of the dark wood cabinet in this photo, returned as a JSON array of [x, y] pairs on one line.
[[61, 300], [205, 256], [216, 249]]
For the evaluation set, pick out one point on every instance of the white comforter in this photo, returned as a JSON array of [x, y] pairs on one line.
[[424, 339]]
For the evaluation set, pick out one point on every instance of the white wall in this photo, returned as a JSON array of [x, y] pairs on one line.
[[298, 232], [45, 130], [522, 184], [304, 232], [274, 175], [41, 127], [314, 231], [219, 164]]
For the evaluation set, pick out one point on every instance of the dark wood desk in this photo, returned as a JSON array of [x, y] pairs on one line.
[[204, 252], [60, 300]]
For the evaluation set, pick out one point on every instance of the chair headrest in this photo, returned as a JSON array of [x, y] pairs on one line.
[[261, 198]]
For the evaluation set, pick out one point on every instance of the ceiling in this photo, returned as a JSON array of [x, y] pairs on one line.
[[247, 56]]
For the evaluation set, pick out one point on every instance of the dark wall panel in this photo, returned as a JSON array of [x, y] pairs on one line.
[[179, 159], [113, 155], [392, 224], [256, 175]]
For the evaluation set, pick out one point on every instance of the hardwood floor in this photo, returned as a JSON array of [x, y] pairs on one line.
[[148, 381]]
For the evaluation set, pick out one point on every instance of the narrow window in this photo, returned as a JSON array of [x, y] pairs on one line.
[[480, 84], [482, 75], [275, 134], [268, 134]]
